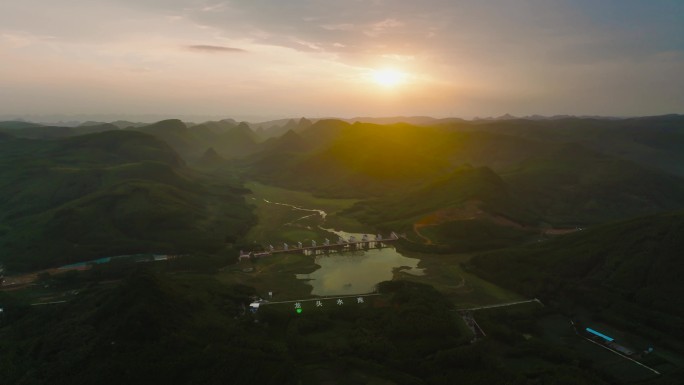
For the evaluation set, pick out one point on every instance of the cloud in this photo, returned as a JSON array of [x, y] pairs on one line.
[[214, 48], [18, 40], [519, 57], [339, 27], [383, 26]]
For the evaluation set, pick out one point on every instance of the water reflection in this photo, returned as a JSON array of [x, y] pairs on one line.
[[356, 272], [351, 269]]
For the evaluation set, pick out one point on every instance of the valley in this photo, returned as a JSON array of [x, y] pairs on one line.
[[211, 192], [444, 272], [520, 234]]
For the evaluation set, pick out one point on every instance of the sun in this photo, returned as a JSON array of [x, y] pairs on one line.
[[388, 77]]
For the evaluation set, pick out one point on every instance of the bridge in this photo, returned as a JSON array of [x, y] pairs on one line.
[[342, 244]]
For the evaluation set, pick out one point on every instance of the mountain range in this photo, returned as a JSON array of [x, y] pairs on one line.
[[105, 194]]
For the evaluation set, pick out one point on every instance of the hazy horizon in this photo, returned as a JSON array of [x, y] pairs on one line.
[[67, 120], [262, 60]]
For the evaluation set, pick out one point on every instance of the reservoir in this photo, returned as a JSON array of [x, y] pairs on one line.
[[337, 273], [357, 272]]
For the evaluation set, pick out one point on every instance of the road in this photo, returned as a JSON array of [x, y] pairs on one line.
[[614, 352], [318, 299], [502, 305]]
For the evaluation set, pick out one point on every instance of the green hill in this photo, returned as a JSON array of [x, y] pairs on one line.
[[323, 132], [149, 329], [574, 185], [350, 160], [468, 189], [37, 131], [237, 141], [122, 124], [465, 184], [174, 132], [192, 329], [4, 136], [17, 124], [211, 160], [630, 271], [564, 185], [113, 193], [470, 209], [653, 141], [276, 156], [227, 139]]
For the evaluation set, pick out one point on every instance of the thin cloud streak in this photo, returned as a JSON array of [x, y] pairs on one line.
[[215, 49]]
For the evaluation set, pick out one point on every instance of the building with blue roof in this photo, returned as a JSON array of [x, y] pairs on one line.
[[594, 332]]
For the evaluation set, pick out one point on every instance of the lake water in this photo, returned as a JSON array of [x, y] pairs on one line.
[[357, 272], [353, 272]]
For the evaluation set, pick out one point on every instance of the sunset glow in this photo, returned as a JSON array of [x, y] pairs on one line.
[[389, 77], [229, 59]]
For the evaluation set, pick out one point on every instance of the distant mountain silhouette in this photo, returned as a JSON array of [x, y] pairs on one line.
[[18, 124], [210, 156], [228, 139], [217, 126], [655, 141], [210, 161], [90, 123], [548, 180], [290, 141], [277, 128], [37, 131], [123, 124], [303, 124]]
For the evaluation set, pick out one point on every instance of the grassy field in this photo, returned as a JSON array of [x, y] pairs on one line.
[[299, 198], [282, 223], [446, 274], [275, 274]]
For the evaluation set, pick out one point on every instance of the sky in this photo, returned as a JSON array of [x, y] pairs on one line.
[[266, 59]]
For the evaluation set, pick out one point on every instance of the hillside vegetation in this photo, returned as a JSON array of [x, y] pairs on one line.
[[544, 181], [654, 141], [190, 329], [228, 139], [629, 270], [488, 195], [106, 194], [471, 185]]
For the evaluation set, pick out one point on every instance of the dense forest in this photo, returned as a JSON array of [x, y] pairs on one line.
[[582, 215]]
